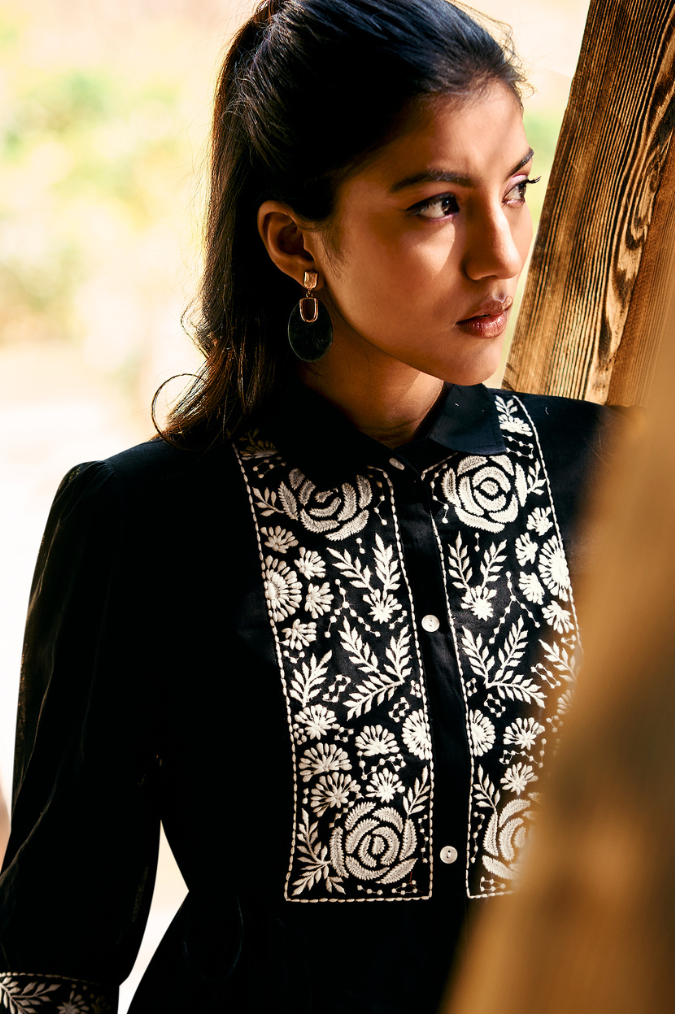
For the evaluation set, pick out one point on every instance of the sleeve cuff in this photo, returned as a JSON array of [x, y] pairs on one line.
[[21, 993]]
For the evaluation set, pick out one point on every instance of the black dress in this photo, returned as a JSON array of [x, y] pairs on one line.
[[332, 671]]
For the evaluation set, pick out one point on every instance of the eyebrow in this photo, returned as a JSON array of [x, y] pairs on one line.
[[444, 176]]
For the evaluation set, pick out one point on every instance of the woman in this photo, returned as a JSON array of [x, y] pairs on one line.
[[305, 630]]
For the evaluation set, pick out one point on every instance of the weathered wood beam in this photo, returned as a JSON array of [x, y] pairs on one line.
[[604, 248]]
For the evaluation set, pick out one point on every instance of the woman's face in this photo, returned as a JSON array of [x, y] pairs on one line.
[[431, 238]]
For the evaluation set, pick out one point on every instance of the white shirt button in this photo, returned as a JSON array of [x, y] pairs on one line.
[[448, 854], [396, 463], [431, 622]]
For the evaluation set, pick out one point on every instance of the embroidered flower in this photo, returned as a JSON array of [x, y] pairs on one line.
[[564, 702], [318, 599], [478, 600], [415, 734], [332, 792], [553, 568], [559, 618], [526, 549], [299, 635], [508, 418], [531, 587], [539, 520], [374, 740], [383, 607], [279, 539], [314, 721], [523, 733], [310, 564], [75, 1004], [517, 777], [485, 491], [374, 844], [282, 588], [482, 733], [321, 759], [384, 785]]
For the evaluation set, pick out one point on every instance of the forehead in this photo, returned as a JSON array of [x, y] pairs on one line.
[[480, 137]]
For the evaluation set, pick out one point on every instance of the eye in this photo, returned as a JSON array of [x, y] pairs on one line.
[[517, 193], [437, 208]]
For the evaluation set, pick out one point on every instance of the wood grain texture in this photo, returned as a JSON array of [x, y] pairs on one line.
[[609, 170]]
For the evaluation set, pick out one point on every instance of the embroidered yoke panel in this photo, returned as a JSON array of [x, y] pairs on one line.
[[341, 612], [511, 610]]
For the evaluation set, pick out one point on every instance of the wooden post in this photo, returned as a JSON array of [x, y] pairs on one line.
[[606, 241]]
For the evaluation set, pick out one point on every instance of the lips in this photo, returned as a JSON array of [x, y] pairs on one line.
[[488, 320]]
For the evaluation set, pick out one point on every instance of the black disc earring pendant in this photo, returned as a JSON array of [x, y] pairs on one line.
[[310, 329]]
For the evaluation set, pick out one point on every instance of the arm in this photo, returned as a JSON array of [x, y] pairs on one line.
[[79, 870]]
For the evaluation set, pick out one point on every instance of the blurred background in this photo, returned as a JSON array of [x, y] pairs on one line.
[[104, 115]]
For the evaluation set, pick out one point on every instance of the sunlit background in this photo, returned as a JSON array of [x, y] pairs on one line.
[[104, 114]]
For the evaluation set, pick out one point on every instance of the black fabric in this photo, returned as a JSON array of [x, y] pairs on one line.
[[148, 694]]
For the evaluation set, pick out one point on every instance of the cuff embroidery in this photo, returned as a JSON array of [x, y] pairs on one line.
[[21, 993]]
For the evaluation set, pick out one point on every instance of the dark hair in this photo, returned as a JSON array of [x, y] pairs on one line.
[[308, 89]]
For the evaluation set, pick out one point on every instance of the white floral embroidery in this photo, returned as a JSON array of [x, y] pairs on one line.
[[321, 759], [553, 568], [517, 777], [384, 784], [318, 599], [374, 740], [278, 539], [560, 619], [504, 608], [299, 635], [415, 734], [482, 733], [282, 588], [526, 550], [310, 564], [333, 791], [29, 994], [314, 722], [540, 520], [530, 585], [354, 685], [523, 733]]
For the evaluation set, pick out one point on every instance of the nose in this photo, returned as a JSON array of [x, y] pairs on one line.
[[491, 250]]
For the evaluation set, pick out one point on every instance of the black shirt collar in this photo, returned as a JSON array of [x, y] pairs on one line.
[[316, 437]]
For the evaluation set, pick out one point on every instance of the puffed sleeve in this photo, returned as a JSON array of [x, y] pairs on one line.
[[79, 871]]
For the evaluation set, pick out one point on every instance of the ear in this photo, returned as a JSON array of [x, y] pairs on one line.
[[287, 240]]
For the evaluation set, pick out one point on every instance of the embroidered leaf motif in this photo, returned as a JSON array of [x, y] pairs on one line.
[[25, 998], [349, 505], [379, 685], [306, 684], [417, 797], [560, 659]]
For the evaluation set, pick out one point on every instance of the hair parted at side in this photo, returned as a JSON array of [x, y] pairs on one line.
[[308, 89]]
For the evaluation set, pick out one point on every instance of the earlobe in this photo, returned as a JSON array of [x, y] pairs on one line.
[[284, 237]]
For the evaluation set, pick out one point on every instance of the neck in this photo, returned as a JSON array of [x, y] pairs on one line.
[[388, 401]]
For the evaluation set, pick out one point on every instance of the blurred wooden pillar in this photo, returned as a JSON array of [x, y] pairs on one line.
[[606, 243]]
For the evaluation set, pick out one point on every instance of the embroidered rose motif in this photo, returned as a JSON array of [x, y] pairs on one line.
[[374, 844], [504, 838], [282, 588], [415, 734], [486, 492], [553, 568]]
